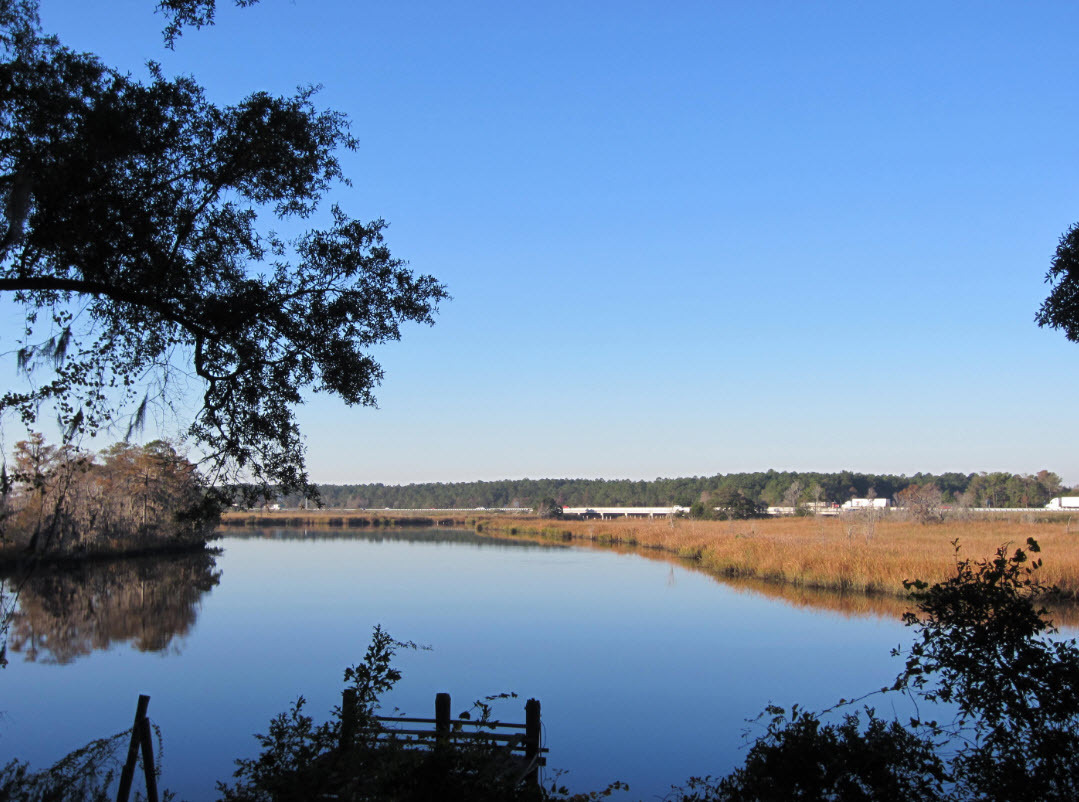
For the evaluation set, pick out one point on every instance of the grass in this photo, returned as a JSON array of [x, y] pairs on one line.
[[840, 554]]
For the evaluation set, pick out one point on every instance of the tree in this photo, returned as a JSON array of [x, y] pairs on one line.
[[548, 508], [793, 494], [1061, 309], [137, 236], [732, 504], [922, 502], [64, 502]]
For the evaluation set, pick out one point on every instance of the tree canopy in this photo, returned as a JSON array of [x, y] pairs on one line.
[[1061, 309], [137, 235]]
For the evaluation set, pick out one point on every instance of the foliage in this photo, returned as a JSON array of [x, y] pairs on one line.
[[302, 760], [137, 235], [66, 502], [768, 487], [1061, 309], [700, 510], [982, 647], [84, 775], [547, 507], [802, 758], [922, 502], [731, 504], [1012, 490], [190, 13], [980, 650]]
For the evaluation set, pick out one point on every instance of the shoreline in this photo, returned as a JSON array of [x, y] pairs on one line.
[[13, 562], [339, 519]]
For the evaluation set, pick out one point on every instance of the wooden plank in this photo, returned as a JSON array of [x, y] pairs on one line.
[[423, 736], [462, 721], [491, 736]]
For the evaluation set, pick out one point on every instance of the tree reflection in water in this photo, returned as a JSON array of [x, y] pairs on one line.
[[66, 613]]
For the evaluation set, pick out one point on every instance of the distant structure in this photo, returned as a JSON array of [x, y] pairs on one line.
[[624, 512], [809, 507], [1063, 503], [866, 503]]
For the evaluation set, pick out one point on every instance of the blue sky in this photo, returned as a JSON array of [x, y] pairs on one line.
[[686, 238]]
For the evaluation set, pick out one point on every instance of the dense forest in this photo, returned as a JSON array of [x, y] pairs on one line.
[[773, 488]]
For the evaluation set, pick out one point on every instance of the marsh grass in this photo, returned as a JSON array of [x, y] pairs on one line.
[[839, 554]]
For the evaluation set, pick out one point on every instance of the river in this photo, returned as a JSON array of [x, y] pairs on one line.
[[646, 669]]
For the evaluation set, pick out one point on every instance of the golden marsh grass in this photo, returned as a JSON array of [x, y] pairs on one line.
[[841, 554]]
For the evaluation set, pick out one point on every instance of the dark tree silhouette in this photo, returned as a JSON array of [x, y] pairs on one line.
[[1061, 309], [137, 235]]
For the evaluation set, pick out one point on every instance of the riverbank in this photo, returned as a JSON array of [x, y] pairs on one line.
[[849, 555], [14, 559]]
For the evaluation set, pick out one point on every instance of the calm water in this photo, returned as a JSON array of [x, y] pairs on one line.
[[646, 670]]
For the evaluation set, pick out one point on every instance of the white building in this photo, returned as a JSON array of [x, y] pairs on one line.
[[865, 503]]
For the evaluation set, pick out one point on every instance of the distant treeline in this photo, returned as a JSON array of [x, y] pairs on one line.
[[774, 488]]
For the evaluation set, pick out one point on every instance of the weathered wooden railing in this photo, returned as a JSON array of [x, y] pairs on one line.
[[521, 742]]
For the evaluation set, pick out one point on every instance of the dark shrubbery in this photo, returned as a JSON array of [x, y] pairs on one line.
[[350, 757]]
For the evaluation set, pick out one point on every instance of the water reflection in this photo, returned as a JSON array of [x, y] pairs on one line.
[[66, 613]]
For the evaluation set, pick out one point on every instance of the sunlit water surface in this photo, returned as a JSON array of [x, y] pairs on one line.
[[646, 670]]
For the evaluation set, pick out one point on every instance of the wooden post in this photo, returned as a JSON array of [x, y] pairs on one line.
[[532, 739], [128, 773], [442, 715], [348, 718], [148, 760]]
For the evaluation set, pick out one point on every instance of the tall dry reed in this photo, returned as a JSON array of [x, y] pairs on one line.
[[843, 554]]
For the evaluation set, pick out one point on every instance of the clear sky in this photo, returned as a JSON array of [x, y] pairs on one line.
[[685, 238]]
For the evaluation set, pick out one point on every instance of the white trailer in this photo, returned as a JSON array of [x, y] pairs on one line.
[[863, 503], [1063, 503]]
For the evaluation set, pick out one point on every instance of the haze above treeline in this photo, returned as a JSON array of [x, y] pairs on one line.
[[774, 488]]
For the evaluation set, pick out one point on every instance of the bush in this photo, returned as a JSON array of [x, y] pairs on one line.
[[348, 757]]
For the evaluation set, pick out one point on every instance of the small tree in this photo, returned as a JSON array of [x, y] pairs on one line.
[[922, 502], [793, 494], [548, 508], [733, 504]]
